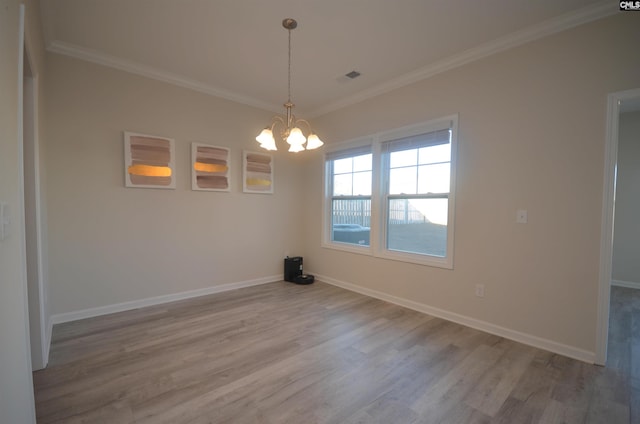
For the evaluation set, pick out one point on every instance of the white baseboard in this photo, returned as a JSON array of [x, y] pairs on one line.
[[546, 344], [627, 284], [47, 342], [157, 300], [528, 339]]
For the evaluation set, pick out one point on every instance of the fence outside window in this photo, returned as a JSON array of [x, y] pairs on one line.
[[358, 211]]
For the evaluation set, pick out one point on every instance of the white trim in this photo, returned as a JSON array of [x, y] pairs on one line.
[[378, 219], [552, 26], [34, 79], [507, 333], [21, 212], [34, 148], [432, 125], [518, 38], [47, 341], [606, 230], [158, 300], [42, 278], [103, 59], [351, 248], [606, 225], [349, 144], [381, 251], [627, 284], [325, 228]]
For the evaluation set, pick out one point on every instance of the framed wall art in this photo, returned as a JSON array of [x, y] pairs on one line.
[[210, 167], [257, 172], [149, 161]]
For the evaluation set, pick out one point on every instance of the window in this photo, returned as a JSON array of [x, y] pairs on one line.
[[395, 195], [417, 173], [350, 173]]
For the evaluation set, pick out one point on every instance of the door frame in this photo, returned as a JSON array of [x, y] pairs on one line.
[[608, 209], [39, 350]]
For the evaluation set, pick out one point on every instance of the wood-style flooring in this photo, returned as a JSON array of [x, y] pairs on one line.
[[283, 353], [624, 342]]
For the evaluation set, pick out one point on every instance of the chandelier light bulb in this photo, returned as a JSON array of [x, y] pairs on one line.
[[313, 142], [296, 137], [295, 148], [270, 145], [266, 140], [265, 136]]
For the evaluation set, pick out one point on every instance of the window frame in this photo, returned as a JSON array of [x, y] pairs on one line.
[[414, 130], [328, 198], [379, 195]]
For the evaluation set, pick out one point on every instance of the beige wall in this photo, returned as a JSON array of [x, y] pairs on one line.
[[626, 240], [110, 244], [531, 136], [16, 390]]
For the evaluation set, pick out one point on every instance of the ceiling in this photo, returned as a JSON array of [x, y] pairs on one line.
[[237, 49]]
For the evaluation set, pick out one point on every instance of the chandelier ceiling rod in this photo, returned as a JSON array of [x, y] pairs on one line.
[[289, 24], [290, 131]]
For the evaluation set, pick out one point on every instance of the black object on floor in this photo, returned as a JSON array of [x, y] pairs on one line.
[[293, 271], [292, 268], [304, 279]]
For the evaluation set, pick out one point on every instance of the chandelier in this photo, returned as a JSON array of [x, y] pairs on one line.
[[290, 124]]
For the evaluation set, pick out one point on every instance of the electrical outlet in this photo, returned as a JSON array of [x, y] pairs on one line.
[[480, 290]]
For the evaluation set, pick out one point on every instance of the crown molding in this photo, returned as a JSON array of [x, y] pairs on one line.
[[93, 56], [552, 26]]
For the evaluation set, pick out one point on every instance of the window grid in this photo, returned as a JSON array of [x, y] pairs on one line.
[[414, 224], [351, 213]]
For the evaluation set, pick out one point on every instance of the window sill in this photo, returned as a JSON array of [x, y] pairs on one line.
[[431, 261], [351, 248]]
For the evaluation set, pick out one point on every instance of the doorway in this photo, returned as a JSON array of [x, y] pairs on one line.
[[619, 102]]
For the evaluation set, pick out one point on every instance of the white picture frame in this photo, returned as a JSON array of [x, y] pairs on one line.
[[149, 161], [257, 172], [210, 167]]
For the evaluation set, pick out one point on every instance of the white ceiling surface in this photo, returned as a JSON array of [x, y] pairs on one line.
[[237, 49]]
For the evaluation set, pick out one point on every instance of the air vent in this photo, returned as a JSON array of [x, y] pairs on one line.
[[353, 74]]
